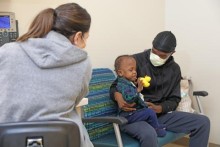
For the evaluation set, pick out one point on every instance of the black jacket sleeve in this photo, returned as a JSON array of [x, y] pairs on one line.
[[171, 102]]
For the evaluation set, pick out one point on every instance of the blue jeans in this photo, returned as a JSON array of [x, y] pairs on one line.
[[144, 114], [198, 126]]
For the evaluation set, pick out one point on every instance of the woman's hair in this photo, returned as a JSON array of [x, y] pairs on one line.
[[119, 60], [67, 19]]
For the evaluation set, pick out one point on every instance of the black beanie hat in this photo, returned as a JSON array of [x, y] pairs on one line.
[[165, 41]]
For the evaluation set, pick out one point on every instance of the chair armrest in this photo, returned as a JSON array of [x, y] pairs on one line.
[[115, 120], [200, 93], [197, 94], [107, 119]]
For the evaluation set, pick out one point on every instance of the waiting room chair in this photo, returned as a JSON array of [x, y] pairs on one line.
[[100, 117], [40, 134]]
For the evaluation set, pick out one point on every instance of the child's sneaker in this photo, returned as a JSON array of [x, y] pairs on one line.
[[161, 132]]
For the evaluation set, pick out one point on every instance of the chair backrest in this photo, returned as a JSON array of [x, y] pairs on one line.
[[99, 102], [40, 134]]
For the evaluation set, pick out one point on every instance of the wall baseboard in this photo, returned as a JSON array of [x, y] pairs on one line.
[[185, 142]]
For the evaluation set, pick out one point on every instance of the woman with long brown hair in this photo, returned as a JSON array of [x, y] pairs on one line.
[[46, 72]]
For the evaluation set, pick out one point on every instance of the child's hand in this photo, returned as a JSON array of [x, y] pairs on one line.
[[139, 85]]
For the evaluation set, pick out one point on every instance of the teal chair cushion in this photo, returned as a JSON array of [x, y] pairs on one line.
[[110, 141]]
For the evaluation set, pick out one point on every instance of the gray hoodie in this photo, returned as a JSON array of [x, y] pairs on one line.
[[43, 79]]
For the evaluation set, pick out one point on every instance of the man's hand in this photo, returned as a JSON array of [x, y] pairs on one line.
[[156, 108], [122, 104]]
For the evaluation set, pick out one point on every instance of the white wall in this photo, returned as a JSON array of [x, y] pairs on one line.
[[25, 10], [122, 27], [118, 27], [196, 24]]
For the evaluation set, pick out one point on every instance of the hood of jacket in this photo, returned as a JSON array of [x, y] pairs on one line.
[[54, 50]]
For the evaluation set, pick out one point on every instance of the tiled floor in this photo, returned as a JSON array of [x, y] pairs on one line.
[[183, 142], [174, 145]]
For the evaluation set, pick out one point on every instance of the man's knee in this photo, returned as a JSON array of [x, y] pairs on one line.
[[140, 130], [149, 135], [204, 120], [143, 132]]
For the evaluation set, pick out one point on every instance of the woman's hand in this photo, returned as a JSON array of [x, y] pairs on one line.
[[122, 104], [156, 108]]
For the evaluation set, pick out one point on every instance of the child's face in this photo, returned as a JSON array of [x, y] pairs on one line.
[[128, 69]]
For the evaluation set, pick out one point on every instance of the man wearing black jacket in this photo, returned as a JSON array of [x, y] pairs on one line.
[[163, 96]]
